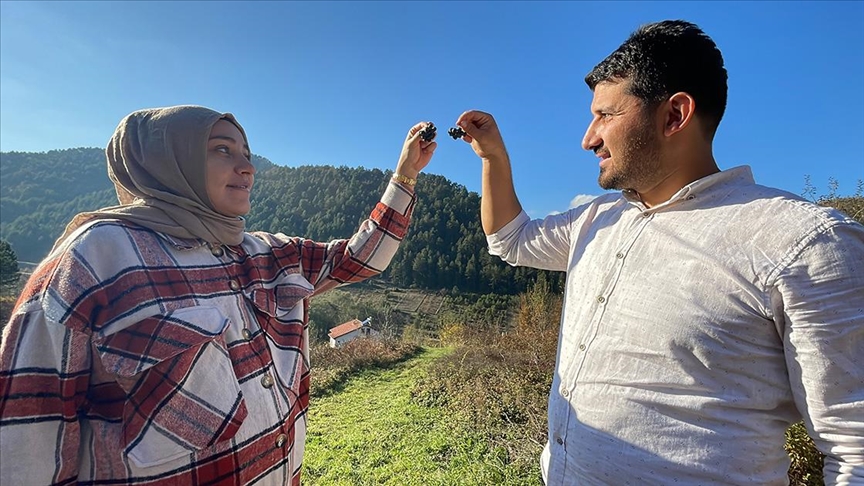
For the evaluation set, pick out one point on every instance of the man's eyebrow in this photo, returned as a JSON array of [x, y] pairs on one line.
[[607, 108], [230, 139]]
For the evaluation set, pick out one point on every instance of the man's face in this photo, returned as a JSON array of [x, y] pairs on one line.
[[623, 134]]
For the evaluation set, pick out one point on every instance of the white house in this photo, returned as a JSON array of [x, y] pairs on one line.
[[351, 330]]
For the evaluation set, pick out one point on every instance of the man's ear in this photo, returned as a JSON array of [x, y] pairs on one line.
[[679, 113]]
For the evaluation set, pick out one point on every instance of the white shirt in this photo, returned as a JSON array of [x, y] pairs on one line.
[[695, 332]]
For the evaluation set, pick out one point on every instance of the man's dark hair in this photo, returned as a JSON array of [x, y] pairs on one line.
[[664, 58]]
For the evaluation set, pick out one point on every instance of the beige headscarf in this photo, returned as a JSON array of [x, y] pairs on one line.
[[157, 161]]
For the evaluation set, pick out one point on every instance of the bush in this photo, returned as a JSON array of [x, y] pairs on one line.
[[807, 461], [332, 366], [497, 384], [7, 302], [852, 206]]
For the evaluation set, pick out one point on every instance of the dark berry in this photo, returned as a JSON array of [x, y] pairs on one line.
[[428, 132], [456, 133]]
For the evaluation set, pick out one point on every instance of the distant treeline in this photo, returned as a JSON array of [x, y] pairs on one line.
[[445, 247]]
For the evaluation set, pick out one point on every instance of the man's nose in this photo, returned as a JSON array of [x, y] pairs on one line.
[[591, 139]]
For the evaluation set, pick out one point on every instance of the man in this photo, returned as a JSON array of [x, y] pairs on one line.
[[703, 313]]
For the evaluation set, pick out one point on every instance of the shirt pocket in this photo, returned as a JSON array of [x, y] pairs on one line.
[[279, 297], [284, 325], [181, 391]]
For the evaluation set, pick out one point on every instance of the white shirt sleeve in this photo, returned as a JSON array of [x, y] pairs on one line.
[[539, 243], [819, 302]]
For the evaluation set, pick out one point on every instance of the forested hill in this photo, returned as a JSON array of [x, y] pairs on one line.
[[445, 247], [40, 192]]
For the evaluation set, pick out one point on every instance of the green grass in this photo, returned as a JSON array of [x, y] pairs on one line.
[[370, 432]]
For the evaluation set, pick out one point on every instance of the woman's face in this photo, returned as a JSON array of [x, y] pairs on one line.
[[229, 173]]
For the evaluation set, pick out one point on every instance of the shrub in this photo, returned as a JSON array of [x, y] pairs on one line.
[[852, 206], [7, 302], [807, 461], [497, 384], [332, 366]]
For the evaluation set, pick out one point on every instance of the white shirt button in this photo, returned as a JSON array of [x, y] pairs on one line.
[[281, 439], [565, 393], [247, 334], [217, 251], [581, 347], [235, 285], [601, 299]]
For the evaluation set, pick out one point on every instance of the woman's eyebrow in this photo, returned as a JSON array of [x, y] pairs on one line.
[[230, 139]]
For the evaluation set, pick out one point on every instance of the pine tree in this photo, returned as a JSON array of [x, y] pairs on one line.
[[9, 273]]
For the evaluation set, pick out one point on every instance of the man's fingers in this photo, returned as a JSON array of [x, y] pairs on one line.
[[473, 122]]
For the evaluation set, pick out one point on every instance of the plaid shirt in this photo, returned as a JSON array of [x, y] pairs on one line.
[[136, 358]]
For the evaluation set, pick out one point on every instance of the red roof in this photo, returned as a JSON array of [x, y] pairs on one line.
[[343, 329]]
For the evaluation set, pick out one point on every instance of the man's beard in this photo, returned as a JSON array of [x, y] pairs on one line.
[[636, 164]]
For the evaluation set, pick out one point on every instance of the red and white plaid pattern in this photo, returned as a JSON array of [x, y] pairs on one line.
[[136, 358]]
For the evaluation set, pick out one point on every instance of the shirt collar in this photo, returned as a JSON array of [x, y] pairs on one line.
[[182, 243], [736, 176], [193, 243]]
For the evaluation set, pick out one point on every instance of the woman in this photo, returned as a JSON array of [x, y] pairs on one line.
[[161, 343]]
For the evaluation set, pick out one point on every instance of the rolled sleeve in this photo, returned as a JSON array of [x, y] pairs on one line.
[[540, 243], [501, 242], [369, 251], [398, 198]]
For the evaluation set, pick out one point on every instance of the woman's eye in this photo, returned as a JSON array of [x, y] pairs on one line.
[[223, 149]]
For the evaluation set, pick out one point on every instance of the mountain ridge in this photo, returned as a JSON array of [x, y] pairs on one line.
[[445, 247]]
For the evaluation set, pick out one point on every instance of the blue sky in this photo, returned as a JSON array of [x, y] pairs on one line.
[[340, 82]]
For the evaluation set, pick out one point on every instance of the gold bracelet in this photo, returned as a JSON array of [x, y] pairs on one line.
[[404, 179]]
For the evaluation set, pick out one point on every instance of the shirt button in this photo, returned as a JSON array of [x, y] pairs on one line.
[[280, 441], [619, 255], [247, 334], [581, 347], [235, 285], [266, 381], [691, 197], [565, 393], [601, 299], [217, 251], [559, 440], [646, 215]]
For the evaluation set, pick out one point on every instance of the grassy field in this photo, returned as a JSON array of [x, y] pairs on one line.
[[370, 432]]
